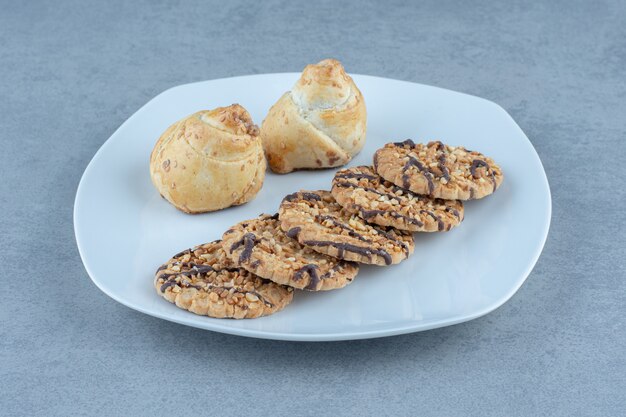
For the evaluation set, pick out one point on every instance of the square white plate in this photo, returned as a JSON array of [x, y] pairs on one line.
[[125, 230]]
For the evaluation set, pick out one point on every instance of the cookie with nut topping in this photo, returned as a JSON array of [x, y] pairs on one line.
[[261, 247], [361, 191], [438, 170], [204, 281], [319, 222]]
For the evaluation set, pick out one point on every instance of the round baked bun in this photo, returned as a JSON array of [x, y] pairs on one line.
[[320, 123], [210, 160]]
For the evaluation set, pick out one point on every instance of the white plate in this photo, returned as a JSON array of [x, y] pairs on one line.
[[125, 230]]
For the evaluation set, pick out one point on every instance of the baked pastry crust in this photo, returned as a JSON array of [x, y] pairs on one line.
[[319, 222], [320, 123], [361, 191], [438, 170], [210, 160], [204, 281], [261, 247]]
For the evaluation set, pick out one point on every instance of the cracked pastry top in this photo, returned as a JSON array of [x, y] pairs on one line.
[[210, 160], [320, 123]]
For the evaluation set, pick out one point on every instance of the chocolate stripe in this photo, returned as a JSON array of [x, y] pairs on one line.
[[302, 195], [356, 175], [441, 160], [248, 241], [341, 247], [351, 232], [368, 189], [408, 142], [392, 237], [195, 270], [440, 224], [179, 254], [477, 163], [438, 145], [368, 214], [312, 271], [441, 164], [454, 211], [425, 172]]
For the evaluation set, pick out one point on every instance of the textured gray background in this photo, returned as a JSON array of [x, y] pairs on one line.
[[70, 74]]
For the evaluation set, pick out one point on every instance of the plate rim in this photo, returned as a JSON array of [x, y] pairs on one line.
[[319, 337]]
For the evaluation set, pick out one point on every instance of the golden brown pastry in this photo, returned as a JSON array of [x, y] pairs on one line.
[[320, 123], [210, 160]]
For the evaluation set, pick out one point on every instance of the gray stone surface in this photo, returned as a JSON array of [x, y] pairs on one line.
[[71, 73]]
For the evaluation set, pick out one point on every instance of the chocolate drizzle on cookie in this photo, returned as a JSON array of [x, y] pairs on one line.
[[441, 164], [303, 195], [441, 159], [440, 225], [293, 232], [391, 235], [347, 247], [438, 145], [195, 269], [368, 214], [179, 254], [356, 175], [248, 241], [454, 211], [407, 142], [312, 271], [183, 284], [368, 189], [427, 173], [478, 163], [351, 232]]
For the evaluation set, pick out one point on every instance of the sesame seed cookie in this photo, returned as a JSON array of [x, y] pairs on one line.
[[204, 281], [360, 190], [318, 221], [438, 170], [260, 246]]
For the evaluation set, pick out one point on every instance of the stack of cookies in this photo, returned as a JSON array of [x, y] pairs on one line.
[[317, 239]]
